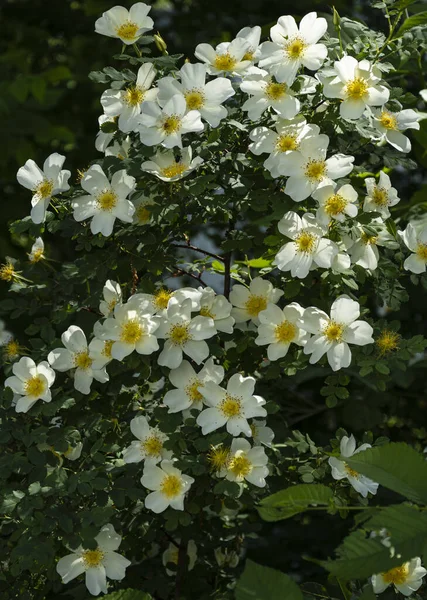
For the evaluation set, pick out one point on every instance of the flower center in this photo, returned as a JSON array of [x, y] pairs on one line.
[[231, 406], [171, 486], [179, 334], [351, 472], [133, 96], [37, 256], [127, 31], [295, 48], [306, 242], [171, 124], [275, 91], [255, 304], [45, 188], [368, 240], [356, 89], [12, 349], [285, 143], [422, 252], [206, 312], [224, 62], [92, 558], [108, 344], [335, 205], [285, 332], [195, 99], [240, 466], [142, 214], [192, 391], [315, 170], [35, 386], [398, 575], [111, 305], [82, 360], [388, 120], [388, 341], [152, 446], [107, 200], [161, 298], [218, 457], [131, 332], [333, 332], [173, 170], [380, 196], [7, 272], [248, 56]]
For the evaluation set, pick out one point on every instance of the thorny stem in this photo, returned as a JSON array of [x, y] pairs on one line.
[[179, 271], [196, 249]]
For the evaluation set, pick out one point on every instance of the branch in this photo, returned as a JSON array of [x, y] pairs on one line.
[[180, 271], [196, 249]]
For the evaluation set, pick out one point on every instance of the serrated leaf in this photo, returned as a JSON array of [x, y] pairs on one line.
[[397, 467], [411, 22], [262, 583], [293, 500]]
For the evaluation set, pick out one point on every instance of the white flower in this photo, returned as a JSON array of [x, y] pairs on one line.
[[168, 167], [231, 407], [171, 554], [183, 334], [207, 98], [292, 48], [227, 57], [106, 201], [218, 308], [37, 251], [149, 446], [288, 136], [126, 25], [5, 335], [279, 329], [142, 214], [127, 103], [340, 469], [308, 167], [416, 242], [97, 564], [407, 578], [120, 149], [308, 245], [130, 330], [169, 486], [357, 84], [29, 383], [43, 183], [166, 125], [380, 197], [265, 93], [246, 463], [362, 245], [391, 124], [252, 36], [187, 381], [100, 347], [332, 335], [335, 203], [74, 452], [112, 297], [261, 434], [250, 302], [76, 356], [102, 139], [158, 302]]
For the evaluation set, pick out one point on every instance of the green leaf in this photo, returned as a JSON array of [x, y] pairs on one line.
[[361, 556], [262, 583], [396, 466], [293, 500], [411, 22], [128, 595], [259, 263]]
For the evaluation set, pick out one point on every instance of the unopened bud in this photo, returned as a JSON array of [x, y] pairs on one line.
[[160, 43], [336, 18]]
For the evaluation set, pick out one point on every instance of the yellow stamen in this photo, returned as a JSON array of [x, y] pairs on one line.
[[276, 91], [192, 391], [315, 170], [398, 575], [107, 200], [422, 252], [152, 446], [92, 558], [44, 189], [82, 360], [195, 99], [388, 341], [255, 304], [12, 350], [351, 472], [179, 334], [7, 272], [218, 457], [37, 256], [35, 386], [295, 48], [380, 196], [206, 312], [171, 124], [231, 406], [287, 142], [306, 242], [161, 298], [356, 89], [240, 466], [388, 120], [142, 214], [285, 332], [171, 486], [335, 205], [173, 170], [248, 56], [108, 344], [133, 96], [368, 240], [224, 62], [127, 31], [333, 331], [131, 332]]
